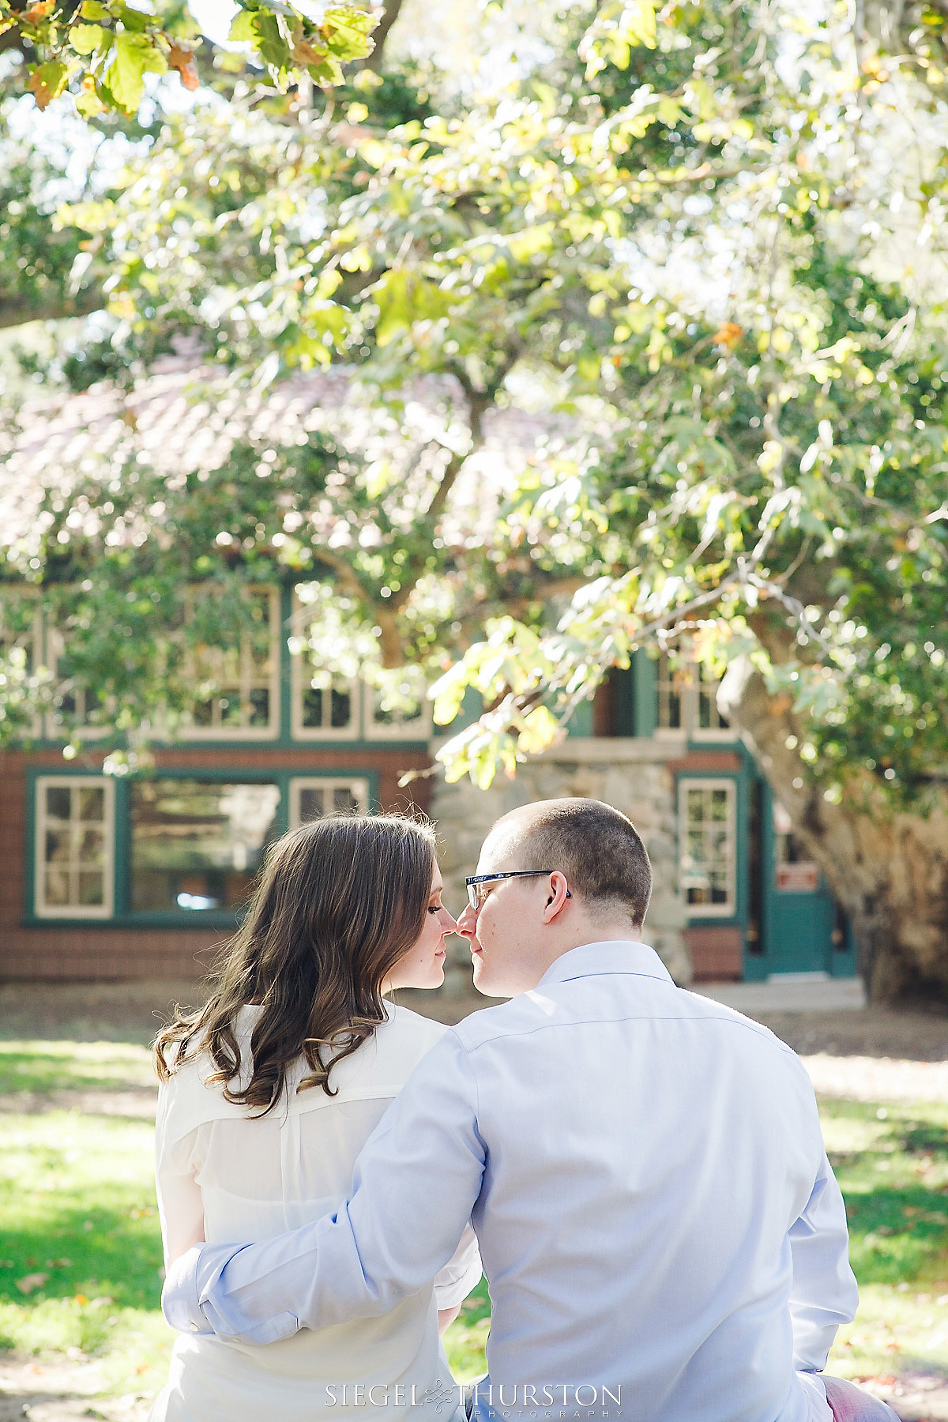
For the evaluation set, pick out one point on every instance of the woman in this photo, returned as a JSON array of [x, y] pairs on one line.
[[268, 1095]]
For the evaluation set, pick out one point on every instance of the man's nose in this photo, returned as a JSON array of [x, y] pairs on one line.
[[467, 922]]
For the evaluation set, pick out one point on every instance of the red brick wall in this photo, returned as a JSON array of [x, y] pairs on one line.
[[716, 954], [101, 953]]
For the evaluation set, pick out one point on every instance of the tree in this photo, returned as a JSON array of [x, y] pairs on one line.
[[100, 52], [670, 239]]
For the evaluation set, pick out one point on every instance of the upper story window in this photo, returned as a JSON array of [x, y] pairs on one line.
[[237, 686], [401, 713], [75, 706], [687, 700]]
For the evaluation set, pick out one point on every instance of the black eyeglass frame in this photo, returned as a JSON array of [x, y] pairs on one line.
[[474, 880]]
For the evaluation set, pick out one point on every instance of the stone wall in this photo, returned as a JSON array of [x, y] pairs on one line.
[[630, 773]]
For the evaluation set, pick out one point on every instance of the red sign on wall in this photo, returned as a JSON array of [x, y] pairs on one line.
[[800, 878]]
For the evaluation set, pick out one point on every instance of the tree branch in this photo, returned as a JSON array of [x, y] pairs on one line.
[[18, 310], [380, 34]]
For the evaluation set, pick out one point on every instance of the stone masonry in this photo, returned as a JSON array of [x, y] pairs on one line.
[[632, 775]]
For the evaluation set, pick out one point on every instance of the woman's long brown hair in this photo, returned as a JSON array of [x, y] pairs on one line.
[[339, 902]]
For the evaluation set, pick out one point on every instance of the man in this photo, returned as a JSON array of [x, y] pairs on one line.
[[659, 1225]]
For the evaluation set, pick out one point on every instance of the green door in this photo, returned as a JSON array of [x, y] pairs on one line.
[[802, 930]]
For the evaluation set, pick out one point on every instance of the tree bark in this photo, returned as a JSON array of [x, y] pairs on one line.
[[380, 34], [886, 865]]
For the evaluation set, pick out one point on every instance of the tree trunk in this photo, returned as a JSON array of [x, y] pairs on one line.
[[887, 865]]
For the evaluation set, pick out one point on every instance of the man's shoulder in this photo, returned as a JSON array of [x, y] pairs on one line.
[[673, 1010]]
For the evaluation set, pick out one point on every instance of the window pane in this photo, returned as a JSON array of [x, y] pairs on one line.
[[343, 800], [57, 888], [198, 846], [91, 802], [312, 706], [91, 889], [312, 803], [58, 801], [260, 707], [341, 709], [91, 848]]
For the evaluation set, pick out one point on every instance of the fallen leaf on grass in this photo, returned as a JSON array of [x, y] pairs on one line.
[[29, 1282]]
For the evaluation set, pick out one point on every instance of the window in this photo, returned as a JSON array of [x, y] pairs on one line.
[[21, 633], [238, 687], [707, 857], [687, 699], [323, 713], [311, 798], [196, 846], [74, 846], [73, 704], [402, 713]]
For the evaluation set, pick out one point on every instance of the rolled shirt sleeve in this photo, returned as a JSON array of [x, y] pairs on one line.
[[414, 1186], [824, 1292], [461, 1274]]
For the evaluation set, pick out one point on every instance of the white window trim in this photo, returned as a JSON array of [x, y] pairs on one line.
[[706, 782], [688, 691], [33, 641], [357, 785], [299, 661], [270, 732], [419, 730], [97, 911], [321, 733]]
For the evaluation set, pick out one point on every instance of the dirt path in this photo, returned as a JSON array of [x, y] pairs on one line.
[[62, 1391]]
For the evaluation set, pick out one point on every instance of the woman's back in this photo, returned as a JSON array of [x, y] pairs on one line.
[[226, 1176]]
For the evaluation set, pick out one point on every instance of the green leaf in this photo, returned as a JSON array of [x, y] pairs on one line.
[[135, 56], [85, 39], [243, 29], [93, 10], [347, 32]]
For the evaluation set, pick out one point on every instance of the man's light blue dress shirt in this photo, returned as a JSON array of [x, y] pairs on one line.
[[646, 1175]]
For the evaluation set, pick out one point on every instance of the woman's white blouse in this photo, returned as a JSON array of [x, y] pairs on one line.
[[224, 1176]]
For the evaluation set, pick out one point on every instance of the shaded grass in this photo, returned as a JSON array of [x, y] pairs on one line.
[[44, 1067], [892, 1165]]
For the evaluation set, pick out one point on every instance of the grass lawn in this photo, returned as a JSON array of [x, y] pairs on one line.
[[80, 1257]]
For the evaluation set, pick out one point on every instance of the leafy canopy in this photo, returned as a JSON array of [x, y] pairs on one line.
[[685, 248]]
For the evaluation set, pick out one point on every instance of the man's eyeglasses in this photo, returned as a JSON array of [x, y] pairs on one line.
[[478, 884]]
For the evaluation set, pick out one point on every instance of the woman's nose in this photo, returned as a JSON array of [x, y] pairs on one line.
[[448, 923]]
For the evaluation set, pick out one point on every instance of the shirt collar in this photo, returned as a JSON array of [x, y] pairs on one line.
[[614, 956]]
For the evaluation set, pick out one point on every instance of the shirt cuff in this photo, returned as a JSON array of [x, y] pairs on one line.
[[180, 1298]]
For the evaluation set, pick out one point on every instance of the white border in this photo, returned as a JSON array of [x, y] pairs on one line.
[[419, 730], [709, 782], [98, 911], [358, 786], [270, 732]]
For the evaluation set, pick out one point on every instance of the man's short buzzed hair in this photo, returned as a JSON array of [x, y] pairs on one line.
[[597, 848]]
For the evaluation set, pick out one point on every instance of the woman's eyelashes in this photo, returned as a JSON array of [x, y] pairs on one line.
[[435, 908]]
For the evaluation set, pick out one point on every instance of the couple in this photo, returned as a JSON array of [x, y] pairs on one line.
[[663, 1237]]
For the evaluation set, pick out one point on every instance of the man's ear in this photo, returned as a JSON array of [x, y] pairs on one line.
[[557, 897]]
